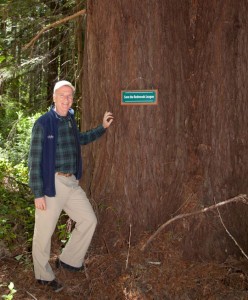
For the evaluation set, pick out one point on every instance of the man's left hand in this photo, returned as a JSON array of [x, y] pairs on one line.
[[107, 119]]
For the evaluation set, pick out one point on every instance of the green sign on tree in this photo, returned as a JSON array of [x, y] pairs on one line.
[[139, 97]]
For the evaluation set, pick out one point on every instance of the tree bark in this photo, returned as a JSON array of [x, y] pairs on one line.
[[156, 161]]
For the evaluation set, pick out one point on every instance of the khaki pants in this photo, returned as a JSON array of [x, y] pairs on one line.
[[72, 199]]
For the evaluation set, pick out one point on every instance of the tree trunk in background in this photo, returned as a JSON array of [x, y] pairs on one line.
[[188, 151], [54, 51], [79, 32]]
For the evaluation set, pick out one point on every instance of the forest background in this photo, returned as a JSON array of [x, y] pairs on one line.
[[27, 77]]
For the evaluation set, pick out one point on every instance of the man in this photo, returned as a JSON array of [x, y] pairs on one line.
[[55, 166]]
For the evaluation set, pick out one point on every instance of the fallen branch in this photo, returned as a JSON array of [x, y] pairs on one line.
[[55, 24], [31, 295], [239, 198], [230, 235]]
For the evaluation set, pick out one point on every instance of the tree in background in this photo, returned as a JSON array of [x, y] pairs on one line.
[[28, 76]]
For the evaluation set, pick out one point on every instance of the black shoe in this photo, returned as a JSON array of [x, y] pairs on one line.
[[56, 287], [59, 264]]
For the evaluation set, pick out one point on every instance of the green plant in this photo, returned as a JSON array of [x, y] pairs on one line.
[[11, 293], [63, 230], [17, 139], [17, 211], [25, 259]]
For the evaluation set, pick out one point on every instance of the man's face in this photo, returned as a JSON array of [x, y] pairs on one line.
[[63, 99]]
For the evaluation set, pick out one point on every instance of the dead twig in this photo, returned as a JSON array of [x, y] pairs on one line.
[[55, 24], [230, 235], [31, 295], [129, 244], [239, 198]]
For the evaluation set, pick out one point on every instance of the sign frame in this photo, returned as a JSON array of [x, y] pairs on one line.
[[135, 100]]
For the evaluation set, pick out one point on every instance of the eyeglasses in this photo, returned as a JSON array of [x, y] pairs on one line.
[[63, 97]]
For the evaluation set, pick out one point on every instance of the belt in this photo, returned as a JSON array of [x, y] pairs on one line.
[[64, 174]]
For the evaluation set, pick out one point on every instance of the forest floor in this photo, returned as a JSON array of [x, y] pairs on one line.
[[158, 273]]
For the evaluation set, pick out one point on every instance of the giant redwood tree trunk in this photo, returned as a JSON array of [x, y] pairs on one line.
[[188, 151]]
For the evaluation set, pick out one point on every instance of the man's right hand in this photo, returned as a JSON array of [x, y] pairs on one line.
[[40, 203]]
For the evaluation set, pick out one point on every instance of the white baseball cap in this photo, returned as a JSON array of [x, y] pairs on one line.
[[61, 83]]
